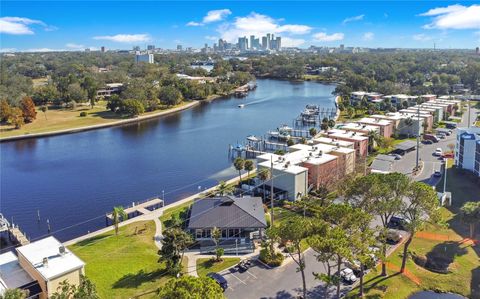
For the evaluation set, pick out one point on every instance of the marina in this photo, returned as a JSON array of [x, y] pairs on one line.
[[179, 153]]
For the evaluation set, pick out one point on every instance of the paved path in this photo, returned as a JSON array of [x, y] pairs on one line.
[[151, 216]]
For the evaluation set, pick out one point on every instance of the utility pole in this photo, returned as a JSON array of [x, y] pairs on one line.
[[445, 177], [468, 112], [418, 135], [271, 191]]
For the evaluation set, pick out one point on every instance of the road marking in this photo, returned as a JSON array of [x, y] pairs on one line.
[[238, 278], [251, 274]]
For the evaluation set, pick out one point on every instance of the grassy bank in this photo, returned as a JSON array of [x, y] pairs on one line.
[[207, 265], [57, 119], [464, 276], [125, 265]]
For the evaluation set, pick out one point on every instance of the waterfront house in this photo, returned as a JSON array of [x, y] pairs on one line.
[[238, 218], [40, 267]]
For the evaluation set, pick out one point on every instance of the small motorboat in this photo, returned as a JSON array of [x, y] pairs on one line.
[[252, 138], [241, 105], [273, 134]]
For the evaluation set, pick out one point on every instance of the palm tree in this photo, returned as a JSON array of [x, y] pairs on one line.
[[264, 175], [239, 164], [248, 166], [313, 132], [331, 123], [470, 212], [118, 212], [44, 109], [373, 138], [224, 189]]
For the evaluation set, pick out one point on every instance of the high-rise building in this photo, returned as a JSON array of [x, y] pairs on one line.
[[477, 51], [151, 47], [278, 43], [136, 48], [242, 43], [264, 43], [252, 41], [146, 58], [467, 149], [102, 49], [342, 47], [179, 48]]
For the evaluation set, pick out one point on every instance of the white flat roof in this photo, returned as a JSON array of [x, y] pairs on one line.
[[292, 169], [390, 116], [58, 264], [12, 275], [348, 135], [359, 127], [333, 141], [374, 122]]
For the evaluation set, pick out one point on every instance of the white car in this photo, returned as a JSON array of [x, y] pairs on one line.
[[438, 152], [347, 276]]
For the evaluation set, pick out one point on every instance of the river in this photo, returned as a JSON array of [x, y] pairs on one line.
[[73, 180]]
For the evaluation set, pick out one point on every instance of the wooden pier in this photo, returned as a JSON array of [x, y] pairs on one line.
[[15, 236], [138, 209]]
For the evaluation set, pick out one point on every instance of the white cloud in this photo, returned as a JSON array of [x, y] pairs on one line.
[[124, 38], [353, 19], [454, 17], [367, 36], [216, 15], [209, 37], [259, 25], [194, 24], [292, 42], [43, 50], [74, 46], [323, 37], [6, 50], [210, 17], [21, 26], [422, 37]]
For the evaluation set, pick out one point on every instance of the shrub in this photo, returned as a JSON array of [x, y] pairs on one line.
[[83, 114], [273, 261]]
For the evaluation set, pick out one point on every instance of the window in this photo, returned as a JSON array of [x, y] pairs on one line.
[[224, 233], [198, 233]]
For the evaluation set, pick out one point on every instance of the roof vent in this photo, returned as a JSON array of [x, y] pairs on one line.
[[61, 250], [45, 262]]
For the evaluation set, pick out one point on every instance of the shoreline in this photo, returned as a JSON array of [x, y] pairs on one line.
[[140, 118]]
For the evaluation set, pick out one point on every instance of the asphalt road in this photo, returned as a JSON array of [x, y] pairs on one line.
[[431, 162]]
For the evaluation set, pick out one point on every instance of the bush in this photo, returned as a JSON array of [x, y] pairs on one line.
[[83, 114], [273, 261]]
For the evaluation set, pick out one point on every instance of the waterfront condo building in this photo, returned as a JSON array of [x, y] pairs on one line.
[[467, 149], [40, 267]]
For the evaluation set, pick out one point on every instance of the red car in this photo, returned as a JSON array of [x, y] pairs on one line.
[[447, 155]]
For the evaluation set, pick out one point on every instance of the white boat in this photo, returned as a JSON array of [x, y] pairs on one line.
[[252, 138], [273, 134], [241, 105]]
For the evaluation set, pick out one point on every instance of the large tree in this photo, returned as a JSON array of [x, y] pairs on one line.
[[174, 243], [189, 287], [419, 206], [28, 109], [380, 195], [86, 289], [170, 96], [470, 212], [14, 294], [292, 232]]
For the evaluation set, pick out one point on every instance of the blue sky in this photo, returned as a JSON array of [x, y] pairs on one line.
[[73, 25]]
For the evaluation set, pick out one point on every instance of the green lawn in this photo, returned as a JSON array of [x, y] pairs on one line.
[[206, 265], [168, 213], [124, 265]]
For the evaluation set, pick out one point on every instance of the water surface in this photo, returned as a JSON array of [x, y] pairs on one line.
[[73, 180]]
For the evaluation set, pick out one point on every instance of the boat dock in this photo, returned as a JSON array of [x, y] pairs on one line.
[[11, 234], [138, 209]]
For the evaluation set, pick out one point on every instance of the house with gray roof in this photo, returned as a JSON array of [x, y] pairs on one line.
[[237, 218]]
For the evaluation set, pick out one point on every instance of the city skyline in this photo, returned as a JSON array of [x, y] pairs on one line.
[[39, 26]]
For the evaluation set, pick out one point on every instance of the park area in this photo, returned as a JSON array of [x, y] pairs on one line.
[[123, 265], [439, 245]]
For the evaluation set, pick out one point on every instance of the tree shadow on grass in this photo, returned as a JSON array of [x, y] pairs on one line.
[[135, 280], [92, 240], [442, 255], [475, 283], [373, 284]]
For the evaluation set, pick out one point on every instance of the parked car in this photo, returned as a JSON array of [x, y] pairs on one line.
[[438, 152], [430, 137], [397, 222], [437, 174], [348, 276], [427, 142], [243, 266], [441, 136], [219, 279], [448, 155], [396, 156], [394, 236]]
